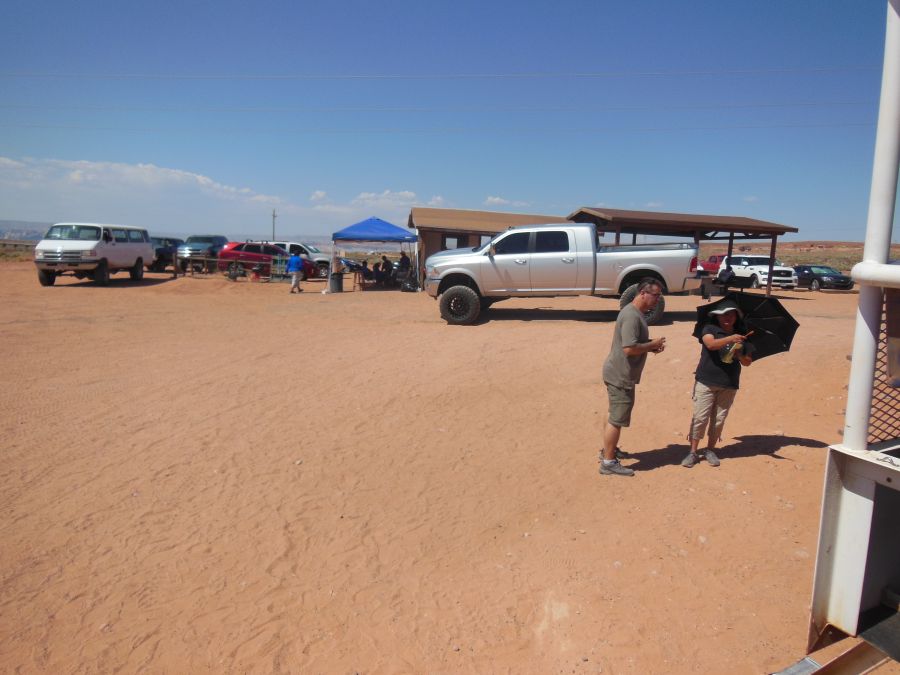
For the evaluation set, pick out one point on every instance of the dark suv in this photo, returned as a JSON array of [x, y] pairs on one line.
[[166, 248]]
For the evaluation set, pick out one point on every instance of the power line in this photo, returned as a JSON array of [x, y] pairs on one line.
[[445, 76], [440, 130], [587, 108]]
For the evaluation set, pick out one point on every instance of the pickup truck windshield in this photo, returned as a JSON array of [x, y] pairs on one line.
[[74, 232]]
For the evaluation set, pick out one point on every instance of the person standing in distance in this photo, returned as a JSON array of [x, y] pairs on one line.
[[622, 370], [295, 269]]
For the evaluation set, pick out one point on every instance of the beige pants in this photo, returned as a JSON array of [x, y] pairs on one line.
[[711, 406]]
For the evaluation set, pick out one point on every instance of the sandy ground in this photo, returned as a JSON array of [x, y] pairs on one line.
[[206, 476]]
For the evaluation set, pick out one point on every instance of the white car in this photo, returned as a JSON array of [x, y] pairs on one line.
[[755, 270], [92, 250], [321, 260]]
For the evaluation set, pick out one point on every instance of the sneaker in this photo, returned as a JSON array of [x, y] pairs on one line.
[[620, 454], [712, 458], [690, 460], [615, 469]]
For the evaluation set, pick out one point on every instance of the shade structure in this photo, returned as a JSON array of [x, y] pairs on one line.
[[374, 229], [772, 325]]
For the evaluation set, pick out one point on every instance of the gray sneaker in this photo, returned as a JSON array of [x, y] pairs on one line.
[[615, 469], [620, 454], [690, 460], [712, 458]]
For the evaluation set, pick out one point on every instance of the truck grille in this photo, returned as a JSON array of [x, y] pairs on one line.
[[62, 256]]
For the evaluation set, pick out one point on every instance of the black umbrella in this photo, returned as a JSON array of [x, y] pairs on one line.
[[772, 325]]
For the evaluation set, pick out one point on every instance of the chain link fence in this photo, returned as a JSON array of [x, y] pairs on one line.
[[884, 419]]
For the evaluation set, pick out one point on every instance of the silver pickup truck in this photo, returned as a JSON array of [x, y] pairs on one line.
[[551, 260]]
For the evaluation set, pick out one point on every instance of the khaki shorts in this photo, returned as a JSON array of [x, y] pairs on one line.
[[621, 403], [711, 406]]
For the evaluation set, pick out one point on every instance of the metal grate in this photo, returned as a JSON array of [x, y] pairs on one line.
[[884, 420]]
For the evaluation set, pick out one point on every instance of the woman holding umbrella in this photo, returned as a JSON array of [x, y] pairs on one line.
[[717, 378]]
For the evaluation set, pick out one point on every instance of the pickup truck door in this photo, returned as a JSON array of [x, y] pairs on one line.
[[554, 262], [508, 270]]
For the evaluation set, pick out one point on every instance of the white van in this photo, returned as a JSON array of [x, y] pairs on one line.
[[92, 250]]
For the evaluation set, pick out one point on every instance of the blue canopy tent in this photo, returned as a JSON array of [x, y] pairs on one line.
[[375, 229]]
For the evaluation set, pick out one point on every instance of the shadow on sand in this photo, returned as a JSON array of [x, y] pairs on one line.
[[746, 446], [119, 282], [546, 314]]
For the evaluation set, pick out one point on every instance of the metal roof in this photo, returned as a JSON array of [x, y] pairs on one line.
[[657, 223], [679, 224], [481, 222]]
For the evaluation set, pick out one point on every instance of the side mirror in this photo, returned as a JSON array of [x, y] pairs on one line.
[[491, 250], [107, 237]]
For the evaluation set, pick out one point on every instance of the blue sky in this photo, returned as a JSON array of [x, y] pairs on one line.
[[201, 116]]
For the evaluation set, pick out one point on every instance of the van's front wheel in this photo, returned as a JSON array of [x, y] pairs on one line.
[[46, 277], [460, 305], [101, 274]]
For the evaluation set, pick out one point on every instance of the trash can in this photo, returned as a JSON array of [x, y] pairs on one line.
[[336, 283]]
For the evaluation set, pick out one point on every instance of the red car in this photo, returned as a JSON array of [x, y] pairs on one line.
[[711, 264], [248, 255]]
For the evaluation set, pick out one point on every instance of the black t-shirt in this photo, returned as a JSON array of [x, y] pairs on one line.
[[710, 370]]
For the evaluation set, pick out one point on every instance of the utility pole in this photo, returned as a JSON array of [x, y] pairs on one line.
[[274, 216]]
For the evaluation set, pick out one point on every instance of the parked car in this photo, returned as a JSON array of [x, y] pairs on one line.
[[321, 260], [711, 264], [250, 255], [92, 250], [562, 259], [817, 277], [350, 265], [166, 250], [198, 248], [753, 271]]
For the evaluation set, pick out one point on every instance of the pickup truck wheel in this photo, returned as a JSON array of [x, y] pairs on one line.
[[655, 315], [322, 271], [101, 274], [46, 277], [754, 282], [814, 285], [460, 305], [137, 272]]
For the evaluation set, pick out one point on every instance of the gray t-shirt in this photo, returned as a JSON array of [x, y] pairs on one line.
[[631, 329]]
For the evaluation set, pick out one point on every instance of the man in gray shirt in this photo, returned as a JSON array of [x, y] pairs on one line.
[[623, 367]]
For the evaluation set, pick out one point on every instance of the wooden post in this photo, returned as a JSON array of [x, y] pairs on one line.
[[771, 263]]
